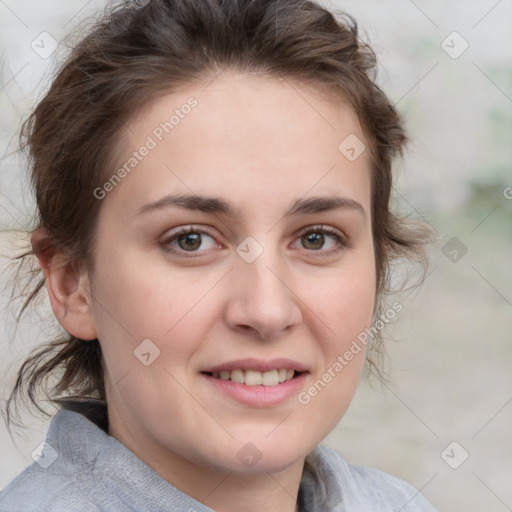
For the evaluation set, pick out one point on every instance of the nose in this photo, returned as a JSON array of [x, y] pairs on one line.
[[263, 300]]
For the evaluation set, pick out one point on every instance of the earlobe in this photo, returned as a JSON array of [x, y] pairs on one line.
[[68, 287]]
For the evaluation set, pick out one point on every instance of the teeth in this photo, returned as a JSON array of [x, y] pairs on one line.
[[237, 376], [254, 378], [270, 378]]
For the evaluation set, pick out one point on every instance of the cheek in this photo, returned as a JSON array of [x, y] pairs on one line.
[[347, 299], [137, 301], [346, 308]]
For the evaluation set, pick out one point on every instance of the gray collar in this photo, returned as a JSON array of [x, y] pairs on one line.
[[78, 433]]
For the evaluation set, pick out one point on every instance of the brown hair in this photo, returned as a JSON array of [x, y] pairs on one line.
[[136, 52]]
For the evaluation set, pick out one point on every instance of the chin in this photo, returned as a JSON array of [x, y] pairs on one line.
[[267, 454]]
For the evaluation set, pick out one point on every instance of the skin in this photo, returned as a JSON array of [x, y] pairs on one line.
[[262, 144]]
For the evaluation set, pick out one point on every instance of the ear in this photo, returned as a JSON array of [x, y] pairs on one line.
[[68, 287]]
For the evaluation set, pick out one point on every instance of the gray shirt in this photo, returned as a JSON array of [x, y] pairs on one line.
[[83, 469]]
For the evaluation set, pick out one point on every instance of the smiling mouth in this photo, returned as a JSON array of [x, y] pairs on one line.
[[255, 378]]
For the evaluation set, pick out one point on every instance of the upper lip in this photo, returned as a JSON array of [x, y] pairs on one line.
[[257, 365]]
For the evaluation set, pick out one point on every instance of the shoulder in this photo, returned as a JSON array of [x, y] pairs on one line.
[[64, 472], [383, 487], [39, 490], [361, 488], [82, 469]]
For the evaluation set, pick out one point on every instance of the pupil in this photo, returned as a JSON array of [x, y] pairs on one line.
[[315, 237], [195, 238]]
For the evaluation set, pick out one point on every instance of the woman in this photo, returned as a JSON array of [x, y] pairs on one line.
[[212, 181]]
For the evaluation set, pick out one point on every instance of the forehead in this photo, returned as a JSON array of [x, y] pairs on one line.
[[246, 133]]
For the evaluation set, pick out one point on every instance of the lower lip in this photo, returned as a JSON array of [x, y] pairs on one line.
[[259, 395]]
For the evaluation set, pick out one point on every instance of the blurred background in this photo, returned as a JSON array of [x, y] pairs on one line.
[[443, 421]]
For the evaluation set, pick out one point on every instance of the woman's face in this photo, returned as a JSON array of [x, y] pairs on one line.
[[254, 293]]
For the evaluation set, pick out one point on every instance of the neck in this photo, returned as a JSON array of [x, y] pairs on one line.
[[220, 490]]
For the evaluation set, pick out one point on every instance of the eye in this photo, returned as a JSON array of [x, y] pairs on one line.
[[189, 239], [314, 239]]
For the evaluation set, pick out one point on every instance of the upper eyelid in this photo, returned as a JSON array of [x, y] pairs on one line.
[[321, 227]]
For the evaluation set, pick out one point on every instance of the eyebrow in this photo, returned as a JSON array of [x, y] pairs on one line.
[[220, 206]]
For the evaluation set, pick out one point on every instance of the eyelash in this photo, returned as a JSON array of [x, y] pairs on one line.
[[343, 242]]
